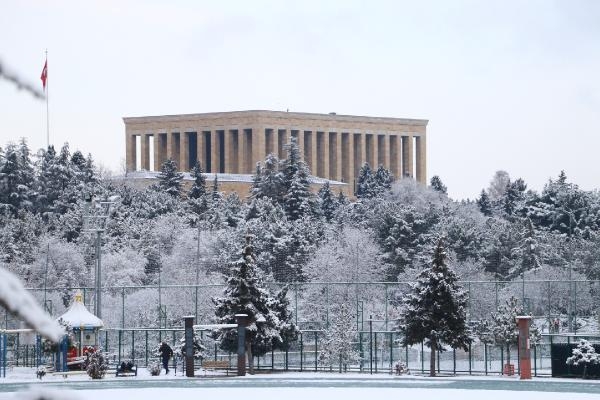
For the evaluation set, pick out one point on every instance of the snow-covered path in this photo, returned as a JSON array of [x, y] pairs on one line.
[[312, 386]]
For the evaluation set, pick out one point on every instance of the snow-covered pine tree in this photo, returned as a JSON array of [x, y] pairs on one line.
[[339, 345], [484, 203], [584, 354], [365, 182], [296, 185], [198, 189], [169, 179], [434, 311], [504, 329], [268, 181], [383, 180], [528, 252], [244, 294], [15, 182], [200, 350], [97, 364], [215, 194], [437, 185], [327, 202], [288, 330]]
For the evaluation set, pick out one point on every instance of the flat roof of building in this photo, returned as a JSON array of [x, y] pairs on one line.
[[276, 114]]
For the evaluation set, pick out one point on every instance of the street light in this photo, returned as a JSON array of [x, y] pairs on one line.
[[96, 213]]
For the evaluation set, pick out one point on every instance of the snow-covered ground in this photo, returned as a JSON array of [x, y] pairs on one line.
[[293, 386]]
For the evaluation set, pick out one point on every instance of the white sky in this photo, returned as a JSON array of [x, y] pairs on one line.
[[511, 85]]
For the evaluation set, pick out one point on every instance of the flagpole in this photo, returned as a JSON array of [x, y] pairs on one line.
[[47, 107]]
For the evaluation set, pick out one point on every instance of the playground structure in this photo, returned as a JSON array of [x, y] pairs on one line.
[[84, 327]]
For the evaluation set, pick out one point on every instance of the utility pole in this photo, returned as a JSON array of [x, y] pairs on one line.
[[96, 213]]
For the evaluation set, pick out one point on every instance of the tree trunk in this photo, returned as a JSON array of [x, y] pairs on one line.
[[584, 370], [250, 358], [432, 359], [508, 353]]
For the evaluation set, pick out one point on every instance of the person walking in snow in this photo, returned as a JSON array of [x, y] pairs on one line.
[[166, 352]]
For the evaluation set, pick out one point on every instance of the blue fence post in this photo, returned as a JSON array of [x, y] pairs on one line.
[[3, 355]]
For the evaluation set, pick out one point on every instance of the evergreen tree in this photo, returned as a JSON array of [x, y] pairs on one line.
[[327, 202], [484, 203], [244, 294], [435, 310], [215, 194], [365, 182], [295, 183], [15, 181], [198, 189], [288, 330], [268, 181], [584, 354], [339, 346], [437, 185], [169, 179], [383, 180], [503, 329]]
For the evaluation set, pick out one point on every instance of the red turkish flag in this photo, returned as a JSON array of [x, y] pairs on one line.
[[44, 76]]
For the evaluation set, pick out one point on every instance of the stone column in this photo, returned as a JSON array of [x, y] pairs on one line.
[[324, 152], [386, 152], [368, 149], [201, 149], [228, 153], [283, 138], [375, 151], [130, 152], [170, 141], [145, 152], [362, 151], [157, 153], [214, 150], [258, 148], [301, 143], [351, 154], [407, 157], [184, 151], [241, 150], [395, 147], [339, 156], [421, 160], [313, 153]]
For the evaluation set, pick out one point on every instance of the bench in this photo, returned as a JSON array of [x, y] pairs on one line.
[[126, 369], [216, 365]]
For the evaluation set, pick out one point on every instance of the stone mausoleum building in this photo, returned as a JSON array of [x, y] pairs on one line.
[[334, 146]]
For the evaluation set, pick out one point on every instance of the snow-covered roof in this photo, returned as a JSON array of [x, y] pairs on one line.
[[78, 315], [21, 303]]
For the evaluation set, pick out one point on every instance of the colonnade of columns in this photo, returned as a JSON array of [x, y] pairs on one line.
[[335, 154]]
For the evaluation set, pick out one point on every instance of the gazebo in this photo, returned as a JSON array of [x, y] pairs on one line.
[[84, 325]]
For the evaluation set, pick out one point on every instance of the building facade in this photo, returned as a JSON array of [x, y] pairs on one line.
[[334, 146]]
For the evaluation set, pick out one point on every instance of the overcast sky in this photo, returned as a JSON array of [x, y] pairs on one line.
[[511, 85]]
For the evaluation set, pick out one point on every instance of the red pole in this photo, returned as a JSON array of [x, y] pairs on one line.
[[524, 346]]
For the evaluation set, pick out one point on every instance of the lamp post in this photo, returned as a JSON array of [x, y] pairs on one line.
[[96, 213]]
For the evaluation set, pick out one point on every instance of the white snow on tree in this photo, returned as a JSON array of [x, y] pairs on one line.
[[200, 350], [339, 346], [97, 365], [434, 312], [584, 355], [169, 179], [244, 294], [502, 328]]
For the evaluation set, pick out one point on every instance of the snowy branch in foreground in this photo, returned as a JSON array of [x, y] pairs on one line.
[[20, 302]]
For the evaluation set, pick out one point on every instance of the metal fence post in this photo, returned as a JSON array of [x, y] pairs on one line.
[[301, 351], [316, 352]]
